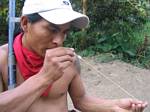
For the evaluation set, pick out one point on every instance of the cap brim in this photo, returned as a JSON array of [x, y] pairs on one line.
[[62, 16]]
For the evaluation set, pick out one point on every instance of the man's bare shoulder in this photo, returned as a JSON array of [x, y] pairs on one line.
[[3, 50], [3, 61], [3, 55], [4, 47]]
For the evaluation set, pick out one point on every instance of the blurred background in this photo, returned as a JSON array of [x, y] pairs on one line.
[[119, 29]]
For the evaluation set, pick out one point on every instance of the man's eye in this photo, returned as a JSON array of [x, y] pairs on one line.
[[54, 30], [66, 32]]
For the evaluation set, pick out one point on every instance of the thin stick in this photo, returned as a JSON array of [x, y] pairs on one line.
[[102, 74]]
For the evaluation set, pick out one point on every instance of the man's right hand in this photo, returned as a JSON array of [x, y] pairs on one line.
[[56, 60], [130, 105]]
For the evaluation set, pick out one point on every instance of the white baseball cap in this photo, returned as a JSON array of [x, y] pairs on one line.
[[56, 11]]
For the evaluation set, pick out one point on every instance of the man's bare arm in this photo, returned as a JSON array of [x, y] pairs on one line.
[[86, 103], [1, 83], [22, 97]]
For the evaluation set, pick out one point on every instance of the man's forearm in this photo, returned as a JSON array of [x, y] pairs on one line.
[[22, 97], [91, 104]]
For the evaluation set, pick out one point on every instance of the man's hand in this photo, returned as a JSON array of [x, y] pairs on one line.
[[56, 60], [129, 105]]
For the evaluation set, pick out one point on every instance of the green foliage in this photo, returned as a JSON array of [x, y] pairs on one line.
[[117, 27], [4, 18], [115, 22], [3, 39], [105, 57]]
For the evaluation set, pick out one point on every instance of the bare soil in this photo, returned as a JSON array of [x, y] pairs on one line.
[[115, 79]]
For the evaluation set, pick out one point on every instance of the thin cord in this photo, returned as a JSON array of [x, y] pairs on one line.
[[106, 77]]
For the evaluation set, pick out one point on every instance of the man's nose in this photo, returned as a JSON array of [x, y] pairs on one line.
[[58, 39]]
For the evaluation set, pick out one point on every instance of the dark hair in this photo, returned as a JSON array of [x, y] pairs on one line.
[[33, 18]]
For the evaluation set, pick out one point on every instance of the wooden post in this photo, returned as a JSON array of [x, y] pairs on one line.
[[84, 3]]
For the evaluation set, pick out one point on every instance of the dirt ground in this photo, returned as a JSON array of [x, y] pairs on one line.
[[115, 80]]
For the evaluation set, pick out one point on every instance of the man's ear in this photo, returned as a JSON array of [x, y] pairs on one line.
[[24, 22]]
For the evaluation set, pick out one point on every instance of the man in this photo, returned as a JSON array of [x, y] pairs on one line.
[[46, 70]]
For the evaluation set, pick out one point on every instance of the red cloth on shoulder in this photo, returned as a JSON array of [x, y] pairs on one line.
[[29, 63]]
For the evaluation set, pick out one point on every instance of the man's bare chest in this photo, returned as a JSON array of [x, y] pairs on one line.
[[58, 88]]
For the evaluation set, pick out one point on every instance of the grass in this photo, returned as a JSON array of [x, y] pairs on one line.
[[142, 59]]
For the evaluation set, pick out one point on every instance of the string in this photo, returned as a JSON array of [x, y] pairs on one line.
[[102, 74]]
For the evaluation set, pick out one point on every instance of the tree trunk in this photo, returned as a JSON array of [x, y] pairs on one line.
[[84, 3]]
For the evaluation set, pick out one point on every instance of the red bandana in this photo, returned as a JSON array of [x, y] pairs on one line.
[[28, 62]]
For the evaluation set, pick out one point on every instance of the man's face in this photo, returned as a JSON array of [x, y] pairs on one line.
[[43, 35]]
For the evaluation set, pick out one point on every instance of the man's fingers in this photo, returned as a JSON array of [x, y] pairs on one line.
[[132, 105], [137, 108], [133, 108], [61, 51], [144, 105], [141, 108], [65, 58], [139, 105], [65, 64]]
